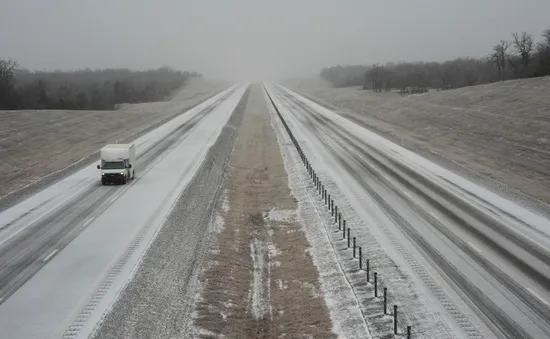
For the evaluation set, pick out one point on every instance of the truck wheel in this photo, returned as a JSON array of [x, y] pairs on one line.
[[124, 181], [103, 182]]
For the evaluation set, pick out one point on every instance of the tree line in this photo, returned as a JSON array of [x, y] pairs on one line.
[[519, 57], [85, 89]]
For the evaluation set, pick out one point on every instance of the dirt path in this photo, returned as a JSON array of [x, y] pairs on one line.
[[260, 281]]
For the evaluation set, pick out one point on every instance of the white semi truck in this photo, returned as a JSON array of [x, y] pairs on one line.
[[118, 163]]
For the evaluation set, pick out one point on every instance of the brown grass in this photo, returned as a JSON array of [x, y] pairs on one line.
[[289, 285]]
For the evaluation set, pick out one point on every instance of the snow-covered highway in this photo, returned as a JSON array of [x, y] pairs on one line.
[[66, 252], [460, 260], [223, 233]]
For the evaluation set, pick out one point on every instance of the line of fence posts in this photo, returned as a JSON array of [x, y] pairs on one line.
[[329, 202], [346, 234]]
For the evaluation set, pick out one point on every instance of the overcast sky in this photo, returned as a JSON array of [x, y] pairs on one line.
[[256, 39]]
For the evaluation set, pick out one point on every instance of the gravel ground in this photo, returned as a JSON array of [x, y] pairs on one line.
[[260, 281], [496, 132], [41, 146], [158, 301]]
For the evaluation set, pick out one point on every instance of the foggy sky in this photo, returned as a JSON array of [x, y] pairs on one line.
[[256, 39]]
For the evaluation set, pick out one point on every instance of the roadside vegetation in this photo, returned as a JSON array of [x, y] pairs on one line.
[[85, 89], [519, 57]]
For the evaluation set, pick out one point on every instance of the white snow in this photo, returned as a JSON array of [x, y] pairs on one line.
[[524, 224], [357, 207], [505, 209], [437, 302], [225, 203], [273, 251], [281, 215], [46, 201], [282, 285], [72, 292], [259, 301], [219, 218], [343, 306]]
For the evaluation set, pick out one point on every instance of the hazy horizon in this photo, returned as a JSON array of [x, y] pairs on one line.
[[256, 40]]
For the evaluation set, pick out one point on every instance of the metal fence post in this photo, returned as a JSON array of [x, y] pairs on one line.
[[394, 319], [385, 300], [368, 270], [344, 232], [375, 284]]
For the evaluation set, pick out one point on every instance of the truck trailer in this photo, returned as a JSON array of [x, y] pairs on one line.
[[117, 163]]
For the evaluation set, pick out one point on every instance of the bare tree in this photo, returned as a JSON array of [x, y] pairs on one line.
[[446, 75], [376, 75], [7, 68], [524, 46], [499, 57], [417, 76], [493, 59], [514, 62], [546, 36], [7, 80], [388, 75], [366, 79], [543, 52]]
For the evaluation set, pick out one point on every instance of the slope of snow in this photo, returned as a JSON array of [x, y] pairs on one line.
[[69, 296], [495, 133]]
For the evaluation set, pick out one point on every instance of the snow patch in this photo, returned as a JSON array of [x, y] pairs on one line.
[[225, 203], [282, 285], [258, 295], [209, 334], [236, 235], [219, 219], [273, 251], [281, 215], [224, 315]]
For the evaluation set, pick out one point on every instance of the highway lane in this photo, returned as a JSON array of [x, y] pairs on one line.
[[502, 273], [28, 242], [70, 295]]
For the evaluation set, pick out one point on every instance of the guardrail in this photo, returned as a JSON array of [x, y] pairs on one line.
[[340, 222]]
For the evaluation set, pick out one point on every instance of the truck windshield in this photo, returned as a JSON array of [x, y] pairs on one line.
[[113, 165]]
